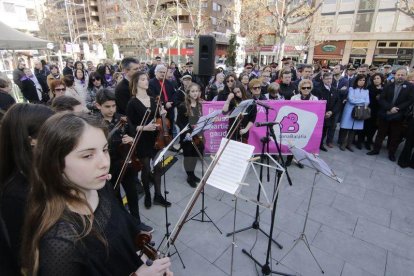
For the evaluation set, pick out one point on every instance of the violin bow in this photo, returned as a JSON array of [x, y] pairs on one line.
[[183, 219], [159, 97], [133, 146]]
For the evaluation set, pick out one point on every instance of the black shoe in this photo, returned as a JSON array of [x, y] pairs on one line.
[[300, 165], [191, 181], [403, 165], [145, 228], [288, 163], [359, 146], [368, 146], [147, 201], [322, 148], [392, 157], [349, 148], [160, 200], [196, 179], [342, 147], [373, 152]]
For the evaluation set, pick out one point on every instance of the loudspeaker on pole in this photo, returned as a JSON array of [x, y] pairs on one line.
[[204, 55]]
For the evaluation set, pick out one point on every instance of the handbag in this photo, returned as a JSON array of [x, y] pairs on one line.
[[361, 112]]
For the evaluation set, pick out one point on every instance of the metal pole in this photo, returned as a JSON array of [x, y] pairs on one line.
[[70, 30]]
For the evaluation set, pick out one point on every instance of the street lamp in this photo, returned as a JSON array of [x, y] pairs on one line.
[[69, 25]]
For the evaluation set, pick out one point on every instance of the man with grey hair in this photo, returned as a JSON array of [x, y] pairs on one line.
[[160, 86], [394, 103]]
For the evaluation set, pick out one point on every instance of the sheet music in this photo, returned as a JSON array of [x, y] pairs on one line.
[[205, 122], [312, 161], [241, 107], [232, 167]]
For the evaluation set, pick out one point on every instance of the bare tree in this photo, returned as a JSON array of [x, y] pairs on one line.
[[147, 23], [406, 6]]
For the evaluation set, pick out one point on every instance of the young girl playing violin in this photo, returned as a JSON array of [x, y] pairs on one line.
[[118, 141], [188, 113], [138, 107], [233, 100], [75, 225]]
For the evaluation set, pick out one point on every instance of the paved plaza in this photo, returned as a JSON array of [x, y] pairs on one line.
[[363, 226]]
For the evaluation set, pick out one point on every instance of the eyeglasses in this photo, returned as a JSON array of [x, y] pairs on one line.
[[256, 87], [60, 89], [96, 79], [249, 68], [230, 80], [307, 88]]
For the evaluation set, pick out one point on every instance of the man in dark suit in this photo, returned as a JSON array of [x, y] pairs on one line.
[[68, 70], [394, 103], [122, 94], [160, 86], [151, 72], [327, 92]]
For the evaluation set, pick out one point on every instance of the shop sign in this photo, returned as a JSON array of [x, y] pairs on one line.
[[329, 48]]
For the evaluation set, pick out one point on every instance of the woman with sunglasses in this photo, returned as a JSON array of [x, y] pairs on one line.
[[57, 89], [233, 100], [255, 86], [229, 82], [95, 83], [305, 87]]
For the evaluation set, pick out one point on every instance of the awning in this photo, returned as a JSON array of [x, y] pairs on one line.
[[12, 39]]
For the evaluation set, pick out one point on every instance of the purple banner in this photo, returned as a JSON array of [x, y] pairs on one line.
[[300, 124]]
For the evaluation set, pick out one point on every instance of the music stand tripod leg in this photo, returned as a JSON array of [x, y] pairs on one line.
[[167, 223], [302, 236], [203, 207], [256, 223]]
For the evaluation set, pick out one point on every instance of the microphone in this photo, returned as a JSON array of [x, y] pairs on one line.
[[264, 105], [261, 124]]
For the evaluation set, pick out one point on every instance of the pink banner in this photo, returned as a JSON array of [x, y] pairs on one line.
[[300, 124]]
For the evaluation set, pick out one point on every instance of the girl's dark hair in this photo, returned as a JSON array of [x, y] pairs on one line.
[[53, 66], [242, 89], [133, 84], [76, 65], [20, 123], [104, 95], [231, 75], [92, 77], [51, 192], [69, 80], [357, 78], [380, 75], [101, 69], [64, 103]]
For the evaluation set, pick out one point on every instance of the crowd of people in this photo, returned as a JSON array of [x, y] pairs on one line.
[[64, 152]]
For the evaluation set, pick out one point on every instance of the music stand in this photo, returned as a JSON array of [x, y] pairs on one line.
[[314, 162], [161, 156], [204, 123]]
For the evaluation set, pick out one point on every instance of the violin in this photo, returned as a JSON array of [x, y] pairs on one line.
[[145, 246], [134, 163], [163, 136]]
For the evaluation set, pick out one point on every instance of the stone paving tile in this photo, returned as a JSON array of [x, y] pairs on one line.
[[403, 193], [352, 250], [385, 237], [407, 172], [351, 270], [354, 191], [362, 209], [399, 266], [331, 217]]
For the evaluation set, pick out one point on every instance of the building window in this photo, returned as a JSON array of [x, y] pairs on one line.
[[363, 22], [393, 44], [216, 7], [329, 6], [213, 20], [345, 23], [9, 7], [382, 44], [387, 4], [405, 23], [347, 5], [367, 4], [204, 5], [384, 22]]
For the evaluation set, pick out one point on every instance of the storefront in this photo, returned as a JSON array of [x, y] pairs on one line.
[[393, 52], [329, 53]]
